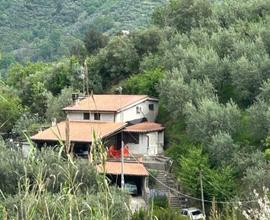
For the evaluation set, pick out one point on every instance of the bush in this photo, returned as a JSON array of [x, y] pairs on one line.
[[160, 214], [48, 186], [267, 154], [160, 201], [151, 180], [144, 83]]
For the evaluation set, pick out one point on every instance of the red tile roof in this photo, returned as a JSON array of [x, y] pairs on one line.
[[80, 131], [132, 169], [109, 103], [144, 127]]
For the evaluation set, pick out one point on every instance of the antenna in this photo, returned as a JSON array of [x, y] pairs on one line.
[[86, 78], [82, 76]]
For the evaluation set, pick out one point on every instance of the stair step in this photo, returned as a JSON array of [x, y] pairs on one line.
[[169, 185]]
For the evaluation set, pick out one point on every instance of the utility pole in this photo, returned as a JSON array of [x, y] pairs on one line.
[[122, 164], [202, 196], [122, 150]]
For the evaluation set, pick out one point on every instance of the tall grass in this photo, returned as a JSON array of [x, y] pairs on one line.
[[46, 186]]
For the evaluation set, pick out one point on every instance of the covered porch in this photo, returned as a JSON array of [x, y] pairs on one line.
[[78, 136], [134, 173], [146, 138]]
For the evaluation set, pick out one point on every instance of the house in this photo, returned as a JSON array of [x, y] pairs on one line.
[[119, 120], [113, 118], [114, 108]]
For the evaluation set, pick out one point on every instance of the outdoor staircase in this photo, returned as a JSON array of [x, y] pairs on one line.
[[170, 187]]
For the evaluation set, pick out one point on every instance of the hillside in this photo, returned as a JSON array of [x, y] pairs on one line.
[[207, 61], [45, 30]]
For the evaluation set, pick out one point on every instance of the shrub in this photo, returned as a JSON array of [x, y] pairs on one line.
[[151, 180], [160, 201], [267, 154], [160, 214], [49, 186]]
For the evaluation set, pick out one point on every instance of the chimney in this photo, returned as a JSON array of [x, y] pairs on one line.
[[75, 97], [54, 122]]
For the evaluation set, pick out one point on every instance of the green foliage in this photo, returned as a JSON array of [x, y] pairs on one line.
[[151, 180], [168, 214], [221, 149], [190, 166], [10, 109], [18, 75], [245, 158], [143, 83], [259, 118], [184, 14], [94, 41], [267, 154], [113, 63], [46, 186], [176, 92], [256, 176], [33, 82], [209, 118], [28, 82], [195, 162], [57, 103], [27, 124], [45, 30], [234, 59], [64, 73], [207, 58], [159, 202], [264, 94], [245, 82], [160, 213], [147, 41]]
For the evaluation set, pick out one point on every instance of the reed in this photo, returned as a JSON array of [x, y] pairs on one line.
[[46, 186]]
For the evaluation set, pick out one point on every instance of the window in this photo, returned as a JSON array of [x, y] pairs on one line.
[[151, 107], [138, 109], [86, 116], [131, 138], [97, 116]]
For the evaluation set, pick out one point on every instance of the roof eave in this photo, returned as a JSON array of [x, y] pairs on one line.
[[135, 103], [145, 131]]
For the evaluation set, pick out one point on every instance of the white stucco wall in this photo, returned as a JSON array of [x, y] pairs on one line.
[[131, 113], [78, 115], [106, 117], [140, 148], [128, 114], [160, 141], [149, 144], [75, 115]]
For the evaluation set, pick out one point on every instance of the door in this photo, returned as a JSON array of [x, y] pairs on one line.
[[152, 143]]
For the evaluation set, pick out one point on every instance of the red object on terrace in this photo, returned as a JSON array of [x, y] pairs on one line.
[[113, 152]]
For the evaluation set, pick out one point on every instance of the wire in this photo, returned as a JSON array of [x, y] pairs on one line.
[[191, 197], [188, 196]]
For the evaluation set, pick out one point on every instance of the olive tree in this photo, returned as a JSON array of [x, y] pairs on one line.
[[55, 104], [259, 120], [176, 92], [210, 118], [221, 149]]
